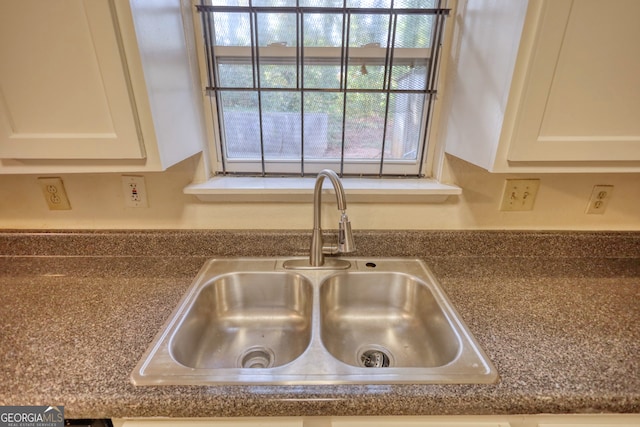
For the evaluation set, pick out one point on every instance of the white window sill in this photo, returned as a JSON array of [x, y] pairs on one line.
[[292, 190]]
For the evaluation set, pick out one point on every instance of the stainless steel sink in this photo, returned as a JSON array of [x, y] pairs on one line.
[[385, 319], [251, 321]]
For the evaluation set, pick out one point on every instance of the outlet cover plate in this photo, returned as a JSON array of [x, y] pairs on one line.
[[599, 199], [54, 193], [134, 191]]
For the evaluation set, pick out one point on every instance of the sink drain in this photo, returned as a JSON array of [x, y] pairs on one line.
[[374, 357], [257, 357]]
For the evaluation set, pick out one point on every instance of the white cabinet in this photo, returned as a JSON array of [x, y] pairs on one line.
[[220, 422], [64, 90], [546, 86], [97, 85]]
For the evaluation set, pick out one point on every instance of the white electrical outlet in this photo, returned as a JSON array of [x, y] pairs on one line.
[[55, 194], [135, 191], [519, 194], [599, 199]]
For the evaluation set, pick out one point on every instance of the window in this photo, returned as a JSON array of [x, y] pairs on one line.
[[296, 86]]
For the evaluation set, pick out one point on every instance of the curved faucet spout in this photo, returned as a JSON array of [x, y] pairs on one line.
[[345, 237], [341, 200]]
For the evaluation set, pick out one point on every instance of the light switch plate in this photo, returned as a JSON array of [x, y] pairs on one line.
[[519, 194]]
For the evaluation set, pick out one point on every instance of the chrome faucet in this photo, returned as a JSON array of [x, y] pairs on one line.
[[345, 236]]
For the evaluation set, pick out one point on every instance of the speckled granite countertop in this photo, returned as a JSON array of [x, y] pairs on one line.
[[557, 313]]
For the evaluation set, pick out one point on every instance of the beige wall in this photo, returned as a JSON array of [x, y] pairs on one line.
[[96, 201]]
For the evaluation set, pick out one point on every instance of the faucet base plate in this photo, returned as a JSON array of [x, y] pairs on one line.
[[304, 264]]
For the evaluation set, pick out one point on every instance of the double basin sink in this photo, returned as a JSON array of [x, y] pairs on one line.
[[251, 321]]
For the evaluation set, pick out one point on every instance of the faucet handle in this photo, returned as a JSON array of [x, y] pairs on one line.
[[346, 243]]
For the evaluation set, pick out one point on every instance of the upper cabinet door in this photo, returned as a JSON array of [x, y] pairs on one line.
[[64, 86], [581, 99]]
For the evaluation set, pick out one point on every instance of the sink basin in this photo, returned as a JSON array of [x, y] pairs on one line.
[[253, 321], [387, 319]]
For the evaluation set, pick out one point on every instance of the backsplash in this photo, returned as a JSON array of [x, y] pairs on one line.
[[97, 204], [189, 243]]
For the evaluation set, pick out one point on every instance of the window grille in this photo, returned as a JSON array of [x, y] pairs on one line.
[[299, 85]]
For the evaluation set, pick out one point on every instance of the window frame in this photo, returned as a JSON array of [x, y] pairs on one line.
[[429, 165]]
